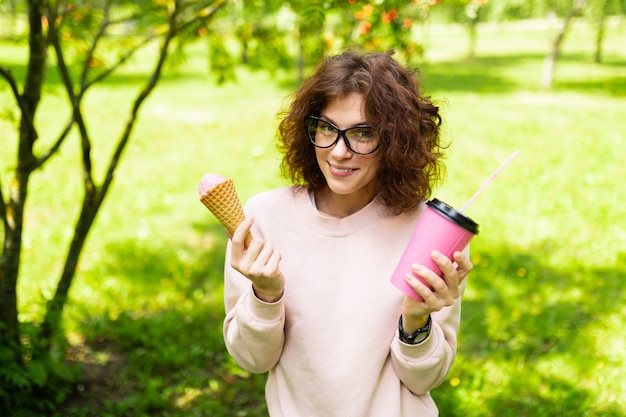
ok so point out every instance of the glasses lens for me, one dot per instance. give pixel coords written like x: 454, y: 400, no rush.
x: 362, y: 139
x: 322, y: 134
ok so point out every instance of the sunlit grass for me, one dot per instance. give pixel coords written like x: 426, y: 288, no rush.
x: 543, y: 312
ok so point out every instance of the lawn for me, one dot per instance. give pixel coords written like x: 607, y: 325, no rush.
x: 544, y: 309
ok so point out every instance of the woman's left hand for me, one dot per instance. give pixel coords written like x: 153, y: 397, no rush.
x: 445, y: 290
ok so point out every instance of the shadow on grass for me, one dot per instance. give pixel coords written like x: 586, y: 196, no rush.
x: 527, y: 345
x: 170, y: 361
x: 491, y: 74
x: 614, y: 86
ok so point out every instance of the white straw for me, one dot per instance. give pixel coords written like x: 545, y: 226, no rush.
x: 486, y: 183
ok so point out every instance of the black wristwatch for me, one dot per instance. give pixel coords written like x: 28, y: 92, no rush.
x: 416, y: 337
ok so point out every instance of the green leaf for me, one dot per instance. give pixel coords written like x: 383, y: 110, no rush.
x: 37, y: 372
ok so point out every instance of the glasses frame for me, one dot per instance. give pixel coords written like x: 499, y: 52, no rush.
x: 340, y: 133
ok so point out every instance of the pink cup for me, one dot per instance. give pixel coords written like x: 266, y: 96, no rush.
x: 441, y: 228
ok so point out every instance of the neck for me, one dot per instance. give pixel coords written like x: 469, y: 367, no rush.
x: 338, y: 205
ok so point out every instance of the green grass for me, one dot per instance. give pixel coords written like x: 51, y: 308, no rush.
x: 544, y: 310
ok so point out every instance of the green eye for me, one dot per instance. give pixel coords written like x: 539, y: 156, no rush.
x: 362, y: 134
x: 326, y: 128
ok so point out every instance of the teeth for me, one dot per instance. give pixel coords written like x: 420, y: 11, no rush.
x: 341, y: 170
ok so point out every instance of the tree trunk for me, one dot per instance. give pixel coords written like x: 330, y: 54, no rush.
x: 14, y: 215
x: 52, y: 319
x: 599, y: 41
x: 549, y: 63
x: 601, y: 23
x: 471, y: 52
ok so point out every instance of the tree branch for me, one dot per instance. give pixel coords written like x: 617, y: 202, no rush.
x: 73, y: 97
x: 101, y: 31
x: 6, y: 73
x: 3, y: 209
x: 57, y: 144
x: 24, y: 109
x: 85, y: 85
x: 205, y: 12
x: 119, y: 63
x: 130, y: 18
x: 156, y: 74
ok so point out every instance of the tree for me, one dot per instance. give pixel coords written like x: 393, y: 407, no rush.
x: 595, y: 10
x: 469, y: 13
x: 599, y: 11
x: 77, y: 34
x: 573, y: 9
x: 379, y: 26
x: 295, y: 34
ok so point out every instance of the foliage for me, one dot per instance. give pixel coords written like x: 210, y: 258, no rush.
x: 283, y: 35
x: 386, y: 26
x: 20, y: 384
x: 80, y: 37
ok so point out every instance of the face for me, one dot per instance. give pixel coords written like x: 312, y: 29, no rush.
x: 350, y: 176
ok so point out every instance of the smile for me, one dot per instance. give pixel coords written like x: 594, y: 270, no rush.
x: 341, y: 171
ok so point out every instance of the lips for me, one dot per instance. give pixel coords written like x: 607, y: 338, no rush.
x: 340, y: 171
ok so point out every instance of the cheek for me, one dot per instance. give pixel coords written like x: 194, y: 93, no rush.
x: 373, y: 164
x: 321, y: 155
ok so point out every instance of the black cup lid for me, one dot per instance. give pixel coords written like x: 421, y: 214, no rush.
x: 453, y: 215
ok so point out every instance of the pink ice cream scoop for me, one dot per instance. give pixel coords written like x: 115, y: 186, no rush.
x: 209, y: 181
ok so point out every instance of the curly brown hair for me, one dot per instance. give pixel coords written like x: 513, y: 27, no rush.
x: 407, y: 123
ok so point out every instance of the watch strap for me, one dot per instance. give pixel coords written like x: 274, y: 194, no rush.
x: 416, y: 337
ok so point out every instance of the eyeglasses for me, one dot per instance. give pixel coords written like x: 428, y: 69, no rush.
x: 361, y: 140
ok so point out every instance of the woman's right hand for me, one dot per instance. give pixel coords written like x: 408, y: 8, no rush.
x: 259, y: 262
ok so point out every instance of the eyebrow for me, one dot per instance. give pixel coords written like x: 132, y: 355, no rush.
x: 328, y: 119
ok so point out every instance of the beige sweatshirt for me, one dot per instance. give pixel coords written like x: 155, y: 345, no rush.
x: 331, y: 343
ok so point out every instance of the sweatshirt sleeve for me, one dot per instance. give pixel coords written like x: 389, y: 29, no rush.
x: 424, y: 366
x: 253, y: 329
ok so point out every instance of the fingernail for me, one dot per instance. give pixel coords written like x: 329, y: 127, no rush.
x: 436, y: 254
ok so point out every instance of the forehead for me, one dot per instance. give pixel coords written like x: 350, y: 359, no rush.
x: 345, y: 111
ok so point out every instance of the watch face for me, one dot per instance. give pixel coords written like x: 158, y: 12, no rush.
x: 419, y: 336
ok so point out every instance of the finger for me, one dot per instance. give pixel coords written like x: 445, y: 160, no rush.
x: 449, y: 270
x: 431, y: 278
x: 442, y: 261
x: 273, y: 263
x: 261, y: 259
x: 418, y: 286
x: 433, y: 282
x: 464, y: 264
x: 238, y: 249
x: 431, y: 299
x: 442, y: 288
x: 242, y: 231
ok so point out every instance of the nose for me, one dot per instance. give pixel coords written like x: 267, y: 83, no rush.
x: 341, y: 150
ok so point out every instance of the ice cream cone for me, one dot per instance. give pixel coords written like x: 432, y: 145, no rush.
x: 222, y: 200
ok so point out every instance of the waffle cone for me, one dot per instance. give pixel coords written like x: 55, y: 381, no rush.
x: 222, y: 200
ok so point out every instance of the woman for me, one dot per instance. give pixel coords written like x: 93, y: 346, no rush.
x: 310, y: 299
